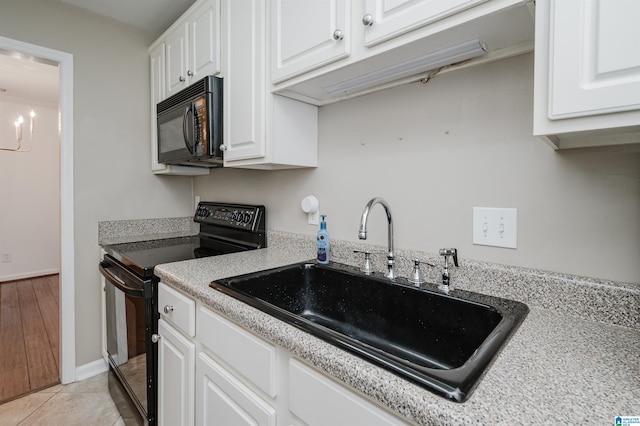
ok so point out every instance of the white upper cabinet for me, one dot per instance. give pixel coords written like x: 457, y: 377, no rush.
x: 193, y: 46
x: 261, y: 130
x: 186, y: 53
x: 306, y: 35
x: 176, y: 59
x: 204, y: 38
x: 157, y: 62
x: 587, y: 76
x: 317, y: 60
x: 244, y: 80
x: 386, y: 19
x: 595, y: 57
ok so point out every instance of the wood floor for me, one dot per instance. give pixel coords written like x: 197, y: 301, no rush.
x: 29, y: 335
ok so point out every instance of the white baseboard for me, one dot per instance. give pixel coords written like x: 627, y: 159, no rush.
x: 31, y: 274
x: 91, y: 369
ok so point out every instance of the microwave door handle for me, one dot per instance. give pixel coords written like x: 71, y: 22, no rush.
x: 185, y: 127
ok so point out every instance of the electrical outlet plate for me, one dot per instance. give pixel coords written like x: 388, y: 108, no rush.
x: 6, y: 257
x: 314, y: 218
x: 496, y: 227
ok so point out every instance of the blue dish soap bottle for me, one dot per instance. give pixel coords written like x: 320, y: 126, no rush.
x: 322, y: 244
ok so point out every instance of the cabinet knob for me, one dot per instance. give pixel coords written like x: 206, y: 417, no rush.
x: 155, y: 338
x: 367, y: 20
x: 338, y: 35
x: 182, y: 78
x: 190, y: 73
x: 168, y: 309
x: 223, y: 147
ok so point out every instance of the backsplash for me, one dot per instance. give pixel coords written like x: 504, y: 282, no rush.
x: 124, y: 231
x: 592, y: 299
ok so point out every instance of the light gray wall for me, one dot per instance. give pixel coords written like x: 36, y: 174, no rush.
x: 434, y: 152
x: 112, y: 175
x: 29, y: 179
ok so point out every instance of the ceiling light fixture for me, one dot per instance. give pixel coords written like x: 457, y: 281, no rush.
x: 436, y: 59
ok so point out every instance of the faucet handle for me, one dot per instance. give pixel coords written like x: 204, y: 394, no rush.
x: 416, y: 275
x: 367, y: 268
x: 453, y: 252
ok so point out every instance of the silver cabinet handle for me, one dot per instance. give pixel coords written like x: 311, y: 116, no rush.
x: 168, y: 309
x: 190, y: 73
x: 182, y: 78
x: 223, y: 147
x: 367, y: 20
x: 338, y: 35
x: 155, y: 338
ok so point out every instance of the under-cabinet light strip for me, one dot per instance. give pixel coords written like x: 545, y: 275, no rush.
x: 432, y: 60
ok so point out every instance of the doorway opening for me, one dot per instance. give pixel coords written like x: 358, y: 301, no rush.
x: 64, y: 121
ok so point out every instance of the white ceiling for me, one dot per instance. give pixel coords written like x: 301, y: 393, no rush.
x: 154, y: 16
x: 25, y: 78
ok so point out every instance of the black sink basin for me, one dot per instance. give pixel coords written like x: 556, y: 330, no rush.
x: 444, y: 342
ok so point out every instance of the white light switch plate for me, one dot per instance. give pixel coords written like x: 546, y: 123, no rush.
x: 495, y: 227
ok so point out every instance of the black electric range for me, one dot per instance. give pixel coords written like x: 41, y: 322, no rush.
x: 131, y: 293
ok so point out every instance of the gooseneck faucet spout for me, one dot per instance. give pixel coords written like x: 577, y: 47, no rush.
x: 362, y: 233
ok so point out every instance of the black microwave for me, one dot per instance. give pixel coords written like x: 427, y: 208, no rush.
x: 190, y: 125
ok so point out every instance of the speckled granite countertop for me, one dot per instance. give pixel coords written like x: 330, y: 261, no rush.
x: 574, y: 360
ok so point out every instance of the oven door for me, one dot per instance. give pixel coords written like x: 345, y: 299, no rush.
x: 130, y: 322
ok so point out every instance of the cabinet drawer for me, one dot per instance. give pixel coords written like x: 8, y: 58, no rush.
x: 248, y: 354
x: 177, y: 308
x: 307, y: 387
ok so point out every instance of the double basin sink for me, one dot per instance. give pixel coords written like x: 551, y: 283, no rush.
x: 441, y: 341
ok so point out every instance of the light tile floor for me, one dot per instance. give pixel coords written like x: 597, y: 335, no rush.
x: 81, y: 403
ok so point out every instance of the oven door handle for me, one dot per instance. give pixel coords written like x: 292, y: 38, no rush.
x: 118, y: 283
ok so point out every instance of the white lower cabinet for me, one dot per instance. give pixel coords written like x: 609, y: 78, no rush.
x: 226, y: 376
x: 221, y: 399
x: 311, y: 393
x: 249, y: 355
x: 176, y: 376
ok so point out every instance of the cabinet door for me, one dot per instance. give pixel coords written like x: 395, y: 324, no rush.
x: 307, y: 35
x: 204, y: 41
x: 396, y: 17
x: 176, y: 376
x: 594, y: 65
x: 244, y: 79
x: 176, y: 59
x: 223, y: 400
x: 157, y: 77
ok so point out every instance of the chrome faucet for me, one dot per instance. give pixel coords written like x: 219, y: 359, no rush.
x: 362, y: 233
